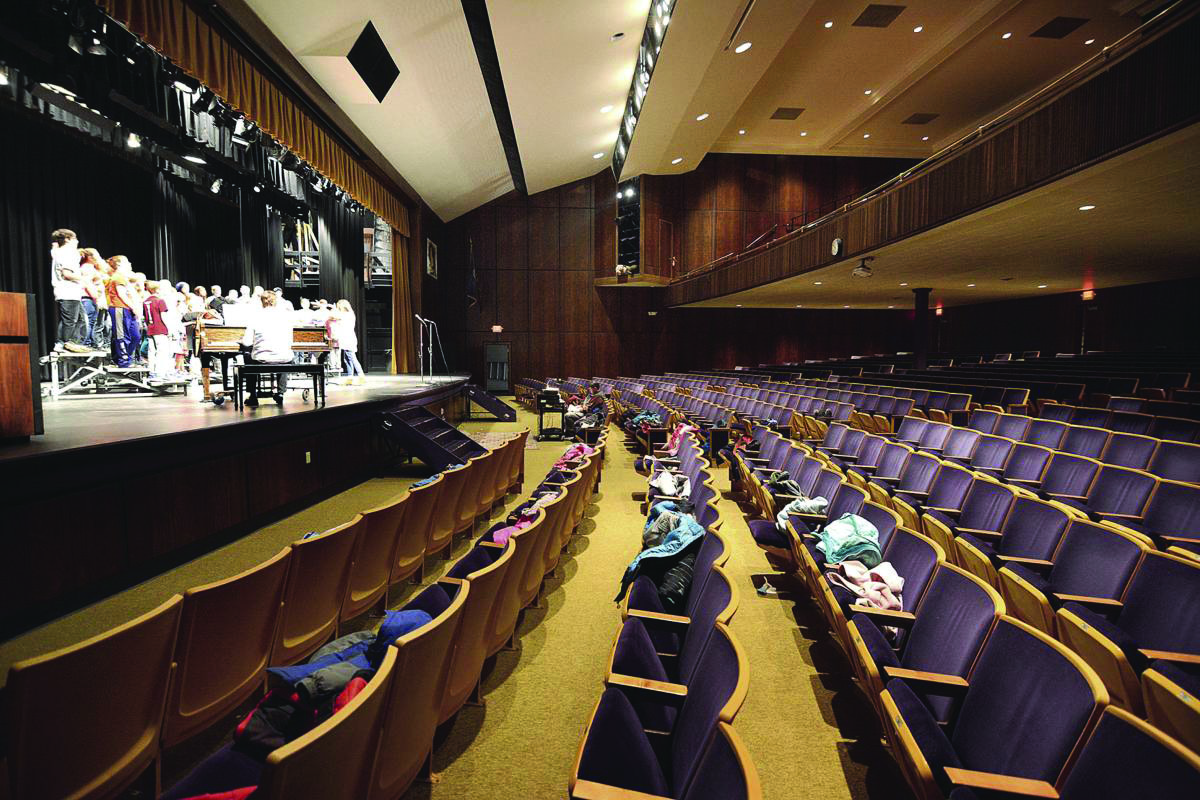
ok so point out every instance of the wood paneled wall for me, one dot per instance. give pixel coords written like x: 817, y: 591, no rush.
x: 731, y: 199
x: 1147, y: 316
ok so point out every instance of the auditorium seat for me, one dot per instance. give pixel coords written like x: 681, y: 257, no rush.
x: 1129, y: 450
x: 1030, y: 536
x: 726, y: 771
x: 944, y: 635
x: 333, y: 760
x: 516, y: 466
x: 1117, y: 494
x: 617, y: 752
x: 1058, y: 412
x: 1028, y: 703
x: 59, y: 743
x: 1175, y: 429
x: 1130, y: 422
x: 528, y: 545
x: 983, y: 512
x: 417, y: 524
x: 1091, y: 561
x: 1157, y: 617
x: 314, y: 592
x: 414, y: 705
x: 1084, y: 441
x: 1171, y: 517
x: 638, y: 654
x: 948, y: 490
x: 1046, y: 432
x: 1027, y: 465
x: 983, y: 420
x: 643, y: 592
x: 1013, y: 426
x: 384, y: 542
x: 960, y: 445
x: 475, y: 497
x: 226, y: 635
x: 1176, y: 461
x: 1066, y: 475
x: 1171, y: 693
x: 486, y: 570
x: 445, y: 518
x: 992, y: 454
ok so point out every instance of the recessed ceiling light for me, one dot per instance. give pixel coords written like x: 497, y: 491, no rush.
x: 845, y: 306
x: 676, y: 160
x: 702, y: 117
x: 741, y: 131
x: 616, y: 37
x: 918, y: 29
x: 904, y: 284
x: 629, y: 192
x: 816, y: 283
x: 597, y: 155
x: 739, y: 305
x: 866, y: 136
x: 1042, y: 285
x: 1007, y: 35
x: 799, y: 306
x: 970, y: 286
x: 829, y: 24
x: 605, y: 109
x: 924, y: 138
x: 868, y: 91
x: 891, y: 306
x: 741, y: 48
x: 804, y: 133
x: 1090, y: 41
x: 1086, y: 208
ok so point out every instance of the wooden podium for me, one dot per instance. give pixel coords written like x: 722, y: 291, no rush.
x: 20, y: 387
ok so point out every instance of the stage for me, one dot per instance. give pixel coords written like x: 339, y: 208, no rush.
x: 122, y: 487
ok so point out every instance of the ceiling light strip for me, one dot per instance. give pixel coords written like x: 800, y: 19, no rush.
x: 741, y: 22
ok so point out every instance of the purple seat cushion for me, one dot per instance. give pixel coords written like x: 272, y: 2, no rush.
x: 617, y: 751
x: 1120, y: 761
x: 643, y: 595
x: 928, y: 735
x: 432, y: 601
x: 1186, y: 675
x: 635, y: 655
x: 477, y: 559
x: 766, y: 534
x: 876, y: 643
x: 223, y: 771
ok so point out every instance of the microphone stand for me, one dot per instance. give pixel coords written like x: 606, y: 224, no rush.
x: 421, y: 349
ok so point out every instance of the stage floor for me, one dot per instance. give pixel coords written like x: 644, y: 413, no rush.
x: 74, y: 421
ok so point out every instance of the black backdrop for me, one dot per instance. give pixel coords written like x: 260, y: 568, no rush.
x: 53, y: 177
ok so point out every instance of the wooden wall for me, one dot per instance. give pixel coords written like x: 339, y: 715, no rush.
x: 536, y: 257
x: 731, y: 199
x: 1142, y: 317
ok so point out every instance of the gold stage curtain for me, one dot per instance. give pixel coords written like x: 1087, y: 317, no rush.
x: 178, y: 32
x: 402, y: 313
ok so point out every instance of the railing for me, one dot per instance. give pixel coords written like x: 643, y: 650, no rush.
x: 1053, y: 89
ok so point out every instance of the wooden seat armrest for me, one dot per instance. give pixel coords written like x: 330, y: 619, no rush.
x: 805, y: 516
x: 1186, y: 539
x: 1114, y: 516
x: 589, y: 790
x: 844, y: 457
x: 1075, y: 497
x: 991, y: 781
x: 496, y: 545
x: 868, y: 467
x: 950, y: 512
x: 658, y: 688
x: 1029, y: 562
x: 446, y: 580
x: 913, y: 492
x: 1088, y: 600
x: 1167, y: 655
x: 788, y: 497
x: 757, y: 460
x: 935, y: 681
x: 657, y: 616
x: 882, y: 616
x: 980, y: 533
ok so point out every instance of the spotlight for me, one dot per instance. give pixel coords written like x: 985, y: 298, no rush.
x: 257, y: 188
x: 206, y: 101
x: 97, y: 48
x: 195, y: 159
x: 3, y: 75
x: 629, y: 192
x: 215, y: 188
x: 133, y: 141
x: 75, y: 43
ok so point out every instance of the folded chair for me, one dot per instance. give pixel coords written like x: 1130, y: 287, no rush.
x: 1026, y: 706
x: 449, y: 510
x: 414, y: 705
x: 485, y: 569
x: 1171, y: 693
x: 314, y: 593
x: 85, y: 721
x: 226, y: 635
x: 417, y: 531
x: 384, y: 542
x: 1158, y: 617
x: 617, y: 751
x: 529, y: 546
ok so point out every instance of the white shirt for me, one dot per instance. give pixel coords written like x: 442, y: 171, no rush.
x: 269, y: 336
x: 65, y: 288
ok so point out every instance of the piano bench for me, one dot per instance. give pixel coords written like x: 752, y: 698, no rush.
x: 315, y: 371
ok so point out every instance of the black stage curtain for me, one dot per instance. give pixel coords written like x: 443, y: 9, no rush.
x: 340, y: 242
x: 52, y: 177
x: 196, y: 238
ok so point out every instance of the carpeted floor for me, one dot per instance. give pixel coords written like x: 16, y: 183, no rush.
x: 808, y: 731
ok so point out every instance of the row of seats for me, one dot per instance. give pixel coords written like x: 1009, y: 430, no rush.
x: 674, y: 683
x: 970, y: 697
x: 1124, y: 420
x: 1041, y: 554
x: 178, y: 669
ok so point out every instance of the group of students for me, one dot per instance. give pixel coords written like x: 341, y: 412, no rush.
x: 103, y: 304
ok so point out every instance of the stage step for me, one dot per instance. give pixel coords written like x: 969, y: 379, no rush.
x: 428, y: 437
x: 498, y: 408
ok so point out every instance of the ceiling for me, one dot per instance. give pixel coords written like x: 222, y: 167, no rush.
x: 1143, y: 228
x: 958, y: 67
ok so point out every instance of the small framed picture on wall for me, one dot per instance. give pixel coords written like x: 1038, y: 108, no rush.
x: 431, y: 265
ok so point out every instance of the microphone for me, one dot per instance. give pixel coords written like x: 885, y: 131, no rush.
x: 418, y: 316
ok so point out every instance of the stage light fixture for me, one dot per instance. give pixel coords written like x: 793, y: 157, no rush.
x: 3, y: 75
x: 133, y: 141
x: 195, y: 159
x: 75, y: 43
x: 257, y: 188
x: 215, y: 188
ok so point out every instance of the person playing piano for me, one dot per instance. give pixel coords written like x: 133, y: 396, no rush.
x: 269, y: 339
